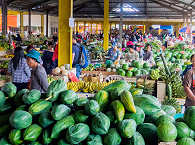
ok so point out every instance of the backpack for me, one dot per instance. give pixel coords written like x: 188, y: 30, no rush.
x: 83, y: 61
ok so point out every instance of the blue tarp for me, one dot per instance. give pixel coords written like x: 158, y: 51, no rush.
x: 183, y: 29
x: 165, y: 27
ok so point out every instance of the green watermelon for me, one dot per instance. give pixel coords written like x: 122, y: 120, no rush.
x: 129, y: 74
x: 167, y: 132
x: 2, y: 98
x: 125, y: 67
x: 186, y: 141
x: 183, y: 130
x: 189, y: 117
x: 149, y: 133
x: 165, y: 118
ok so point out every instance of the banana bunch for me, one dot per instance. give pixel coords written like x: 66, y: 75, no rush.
x: 172, y: 102
x: 75, y: 86
x: 87, y: 87
x: 50, y: 79
x: 155, y: 74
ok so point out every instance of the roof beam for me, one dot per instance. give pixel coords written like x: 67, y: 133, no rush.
x: 38, y: 3
x: 167, y: 6
x: 10, y: 1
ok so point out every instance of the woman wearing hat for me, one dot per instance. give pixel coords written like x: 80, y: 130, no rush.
x: 132, y: 54
x: 38, y: 76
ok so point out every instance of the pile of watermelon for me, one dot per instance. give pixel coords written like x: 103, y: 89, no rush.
x: 135, y: 68
x: 118, y: 114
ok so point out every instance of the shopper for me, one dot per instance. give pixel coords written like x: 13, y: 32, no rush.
x: 114, y: 53
x: 79, y: 57
x: 48, y: 63
x: 19, y: 69
x: 189, y: 84
x: 132, y: 54
x: 39, y: 76
x: 148, y: 55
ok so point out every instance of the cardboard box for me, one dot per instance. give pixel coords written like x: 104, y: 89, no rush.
x: 161, y: 90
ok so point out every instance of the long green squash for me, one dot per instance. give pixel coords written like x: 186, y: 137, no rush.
x: 62, y: 125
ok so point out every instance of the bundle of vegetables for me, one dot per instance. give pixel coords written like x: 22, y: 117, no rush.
x: 113, y: 117
x: 173, y: 79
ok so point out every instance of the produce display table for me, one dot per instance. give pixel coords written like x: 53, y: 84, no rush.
x: 5, y: 59
x: 104, y: 73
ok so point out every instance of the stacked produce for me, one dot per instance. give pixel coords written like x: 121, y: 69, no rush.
x: 113, y: 117
x: 87, y: 87
x: 4, y: 64
x: 135, y: 68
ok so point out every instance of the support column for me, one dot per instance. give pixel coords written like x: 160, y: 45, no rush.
x: 91, y: 28
x: 47, y: 23
x: 96, y: 28
x: 191, y: 27
x: 22, y: 24
x: 65, y: 32
x: 42, y: 25
x: 29, y: 20
x: 177, y: 30
x: 121, y: 24
x: 4, y: 17
x: 78, y: 27
x: 84, y: 27
x: 106, y: 24
x: 144, y: 28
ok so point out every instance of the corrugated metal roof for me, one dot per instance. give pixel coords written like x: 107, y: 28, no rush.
x: 94, y: 8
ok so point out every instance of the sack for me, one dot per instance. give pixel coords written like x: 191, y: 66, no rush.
x: 83, y: 57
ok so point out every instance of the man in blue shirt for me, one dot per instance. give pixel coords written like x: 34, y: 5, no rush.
x: 75, y: 52
x: 114, y: 53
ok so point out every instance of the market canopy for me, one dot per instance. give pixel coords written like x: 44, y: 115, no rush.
x: 167, y: 9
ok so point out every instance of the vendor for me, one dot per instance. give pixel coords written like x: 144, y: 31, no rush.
x: 132, y: 54
x: 148, y: 55
x: 48, y: 63
x: 39, y: 76
x: 19, y: 70
x: 114, y: 53
x: 189, y: 84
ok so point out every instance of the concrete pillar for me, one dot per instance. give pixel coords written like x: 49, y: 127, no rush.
x: 106, y: 24
x: 4, y: 17
x: 29, y: 20
x: 121, y: 24
x: 42, y: 25
x: 65, y: 32
x: 22, y: 24
x: 47, y: 23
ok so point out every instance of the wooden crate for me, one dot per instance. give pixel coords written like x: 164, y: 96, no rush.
x: 161, y: 90
x: 167, y: 143
x: 131, y: 80
x: 104, y: 73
